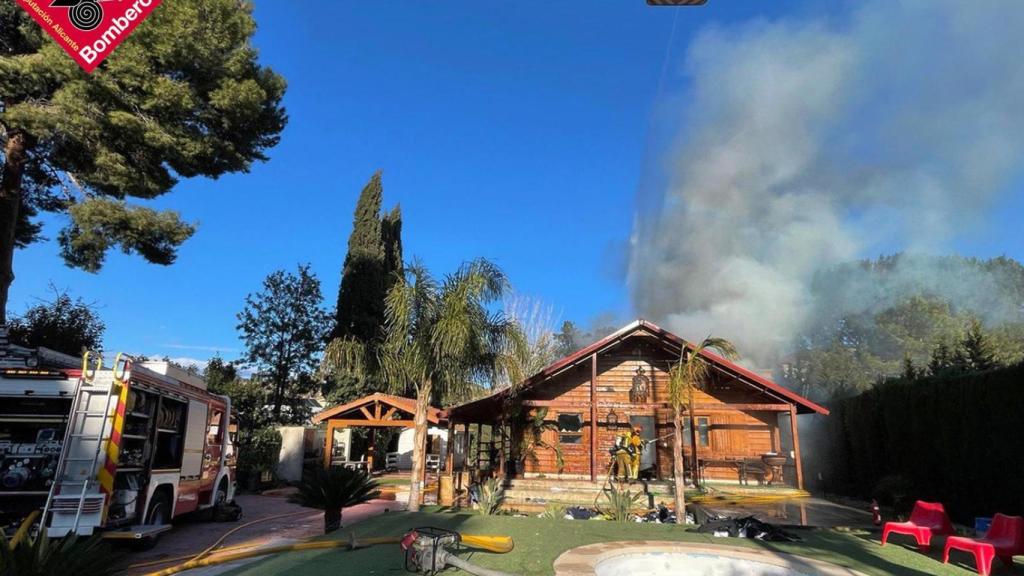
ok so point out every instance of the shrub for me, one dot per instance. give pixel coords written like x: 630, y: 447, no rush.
x: 492, y: 494
x: 258, y: 452
x: 951, y: 439
x: 67, y: 556
x: 334, y: 489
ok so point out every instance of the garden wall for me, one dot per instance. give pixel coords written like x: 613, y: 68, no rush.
x: 957, y: 440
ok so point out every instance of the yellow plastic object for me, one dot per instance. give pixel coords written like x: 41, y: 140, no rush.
x: 23, y: 529
x: 347, y: 544
x: 497, y: 544
x: 209, y: 550
x: 92, y: 362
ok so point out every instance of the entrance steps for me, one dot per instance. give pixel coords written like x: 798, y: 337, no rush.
x: 528, y: 494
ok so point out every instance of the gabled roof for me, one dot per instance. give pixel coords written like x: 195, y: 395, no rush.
x: 407, y: 405
x: 803, y: 405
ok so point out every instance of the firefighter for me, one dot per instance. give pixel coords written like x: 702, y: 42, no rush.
x: 623, y: 453
x: 636, y: 442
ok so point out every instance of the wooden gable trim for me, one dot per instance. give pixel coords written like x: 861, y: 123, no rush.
x: 666, y: 338
x: 379, y: 401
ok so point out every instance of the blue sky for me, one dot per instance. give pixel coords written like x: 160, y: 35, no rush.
x: 517, y: 131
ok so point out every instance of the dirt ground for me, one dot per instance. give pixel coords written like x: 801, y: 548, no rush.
x: 192, y: 535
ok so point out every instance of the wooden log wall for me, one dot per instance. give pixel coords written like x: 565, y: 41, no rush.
x: 733, y: 433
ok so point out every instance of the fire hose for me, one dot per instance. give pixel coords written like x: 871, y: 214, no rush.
x: 498, y: 544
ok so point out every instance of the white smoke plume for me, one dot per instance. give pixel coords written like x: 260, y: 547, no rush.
x: 804, y: 143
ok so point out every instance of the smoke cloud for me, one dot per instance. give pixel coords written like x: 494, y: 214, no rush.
x: 806, y: 143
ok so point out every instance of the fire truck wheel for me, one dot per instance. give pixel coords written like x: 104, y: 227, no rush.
x: 157, y: 514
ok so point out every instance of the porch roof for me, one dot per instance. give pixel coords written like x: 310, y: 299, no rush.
x: 368, y: 408
x: 489, y: 404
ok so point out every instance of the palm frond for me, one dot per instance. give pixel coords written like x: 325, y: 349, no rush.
x: 693, y: 369
x: 343, y: 357
x: 334, y: 489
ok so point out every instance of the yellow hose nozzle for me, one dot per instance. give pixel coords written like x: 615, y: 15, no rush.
x: 496, y: 544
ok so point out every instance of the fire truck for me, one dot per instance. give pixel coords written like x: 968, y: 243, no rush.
x: 37, y: 386
x: 145, y: 442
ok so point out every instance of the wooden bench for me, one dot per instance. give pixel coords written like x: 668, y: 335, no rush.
x: 744, y: 466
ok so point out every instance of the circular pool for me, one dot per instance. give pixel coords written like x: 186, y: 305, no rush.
x: 649, y: 558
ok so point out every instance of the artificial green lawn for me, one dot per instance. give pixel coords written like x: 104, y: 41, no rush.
x: 539, y: 541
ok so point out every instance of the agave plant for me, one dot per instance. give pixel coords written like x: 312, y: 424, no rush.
x: 553, y: 512
x: 67, y: 556
x: 492, y: 494
x: 334, y: 489
x: 620, y: 504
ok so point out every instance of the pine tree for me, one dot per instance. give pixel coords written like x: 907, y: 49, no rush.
x: 183, y: 96
x: 360, y: 309
x: 910, y: 371
x: 977, y: 350
x: 942, y: 359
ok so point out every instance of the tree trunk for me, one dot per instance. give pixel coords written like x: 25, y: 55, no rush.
x: 332, y: 520
x: 678, y: 473
x: 10, y: 206
x: 419, y: 446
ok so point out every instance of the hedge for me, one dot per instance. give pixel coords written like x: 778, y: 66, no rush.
x: 258, y: 452
x: 957, y: 440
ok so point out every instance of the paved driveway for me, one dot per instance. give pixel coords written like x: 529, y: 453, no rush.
x: 191, y: 536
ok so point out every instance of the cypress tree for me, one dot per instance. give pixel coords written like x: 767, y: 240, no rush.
x: 372, y: 265
x: 360, y: 309
x: 391, y: 237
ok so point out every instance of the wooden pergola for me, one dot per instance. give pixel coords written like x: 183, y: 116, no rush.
x: 374, y: 411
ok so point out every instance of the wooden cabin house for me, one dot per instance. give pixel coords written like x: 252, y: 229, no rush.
x: 740, y: 418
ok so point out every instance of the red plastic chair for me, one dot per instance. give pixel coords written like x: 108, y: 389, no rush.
x: 928, y: 519
x: 1005, y: 538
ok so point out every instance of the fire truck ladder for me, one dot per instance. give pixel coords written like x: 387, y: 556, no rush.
x: 83, y: 452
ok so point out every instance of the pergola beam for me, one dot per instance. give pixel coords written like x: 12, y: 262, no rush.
x: 373, y: 423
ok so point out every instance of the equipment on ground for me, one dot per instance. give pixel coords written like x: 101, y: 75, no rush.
x: 145, y: 443
x: 746, y: 527
x: 427, y: 552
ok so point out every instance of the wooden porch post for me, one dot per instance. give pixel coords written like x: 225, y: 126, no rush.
x: 372, y: 451
x: 465, y: 447
x: 328, y: 444
x: 479, y: 436
x: 593, y: 417
x: 449, y: 456
x: 695, y: 466
x: 501, y: 449
x: 795, y: 432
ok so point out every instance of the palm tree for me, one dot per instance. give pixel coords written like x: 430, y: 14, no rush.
x: 334, y: 489
x: 691, y: 371
x: 438, y: 339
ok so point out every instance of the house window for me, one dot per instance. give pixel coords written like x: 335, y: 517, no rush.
x: 570, y: 428
x: 703, y: 432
